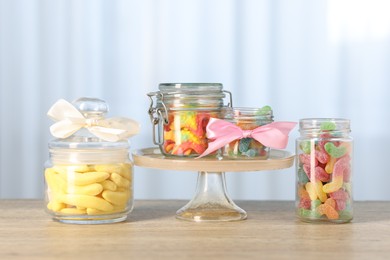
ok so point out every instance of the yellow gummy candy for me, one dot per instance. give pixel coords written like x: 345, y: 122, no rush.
x: 110, y: 168
x: 86, y: 201
x: 55, y: 206
x: 319, y: 189
x: 333, y: 186
x: 90, y: 189
x: 329, y: 166
x: 117, y: 198
x: 119, y: 180
x: 91, y: 211
x: 315, y: 191
x: 126, y: 171
x: 71, y: 168
x: 311, y: 190
x: 109, y: 185
x: 85, y: 178
x: 54, y: 181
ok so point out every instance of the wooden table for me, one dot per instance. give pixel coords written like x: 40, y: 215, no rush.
x: 152, y: 232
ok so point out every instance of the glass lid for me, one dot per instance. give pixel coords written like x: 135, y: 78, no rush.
x: 82, y: 125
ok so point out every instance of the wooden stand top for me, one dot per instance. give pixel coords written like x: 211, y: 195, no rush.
x: 152, y: 158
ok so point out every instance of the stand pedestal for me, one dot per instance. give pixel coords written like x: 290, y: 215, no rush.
x: 211, y: 201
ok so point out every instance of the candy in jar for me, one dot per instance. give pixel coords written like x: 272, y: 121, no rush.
x: 324, y: 170
x: 247, y: 119
x: 181, y: 113
x: 89, y: 176
x: 246, y: 133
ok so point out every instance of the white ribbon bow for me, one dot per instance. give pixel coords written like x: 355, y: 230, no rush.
x: 69, y: 120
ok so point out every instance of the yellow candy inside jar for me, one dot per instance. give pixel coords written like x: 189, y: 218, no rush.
x: 92, y: 189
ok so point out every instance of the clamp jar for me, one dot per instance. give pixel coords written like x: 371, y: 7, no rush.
x: 181, y: 114
x: 324, y: 170
x: 89, y: 180
x: 247, y: 119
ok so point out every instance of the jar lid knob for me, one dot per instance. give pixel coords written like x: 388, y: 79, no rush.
x: 91, y: 107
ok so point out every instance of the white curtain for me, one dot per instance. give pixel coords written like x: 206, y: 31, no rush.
x: 303, y: 58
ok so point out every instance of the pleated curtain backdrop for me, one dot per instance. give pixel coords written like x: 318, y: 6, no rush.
x: 303, y: 58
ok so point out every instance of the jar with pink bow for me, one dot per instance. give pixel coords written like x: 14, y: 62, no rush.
x: 246, y: 133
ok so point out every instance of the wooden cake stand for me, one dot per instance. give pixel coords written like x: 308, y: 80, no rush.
x: 211, y: 201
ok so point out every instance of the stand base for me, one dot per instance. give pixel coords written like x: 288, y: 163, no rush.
x: 211, y: 202
x: 210, y: 212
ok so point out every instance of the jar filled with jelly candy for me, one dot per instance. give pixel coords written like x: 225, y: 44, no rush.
x: 180, y: 115
x: 324, y: 170
x: 247, y: 119
x: 89, y: 176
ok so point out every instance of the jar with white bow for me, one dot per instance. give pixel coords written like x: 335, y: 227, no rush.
x: 89, y: 176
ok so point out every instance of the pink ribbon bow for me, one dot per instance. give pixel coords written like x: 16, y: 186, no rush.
x: 221, y: 132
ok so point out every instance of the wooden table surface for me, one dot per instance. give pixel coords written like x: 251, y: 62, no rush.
x: 152, y: 232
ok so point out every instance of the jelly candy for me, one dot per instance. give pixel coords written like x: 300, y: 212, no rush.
x: 328, y: 126
x: 328, y: 209
x: 302, y: 176
x: 244, y: 144
x: 335, y: 151
x: 263, y: 111
x: 305, y: 203
x: 306, y: 147
x: 315, y: 191
x: 320, y: 174
x: 307, y: 170
x: 322, y: 156
x: 306, y: 159
x: 340, y: 166
x: 302, y: 193
x: 341, y: 197
x: 315, y: 204
x: 329, y: 166
x: 309, y: 212
x: 251, y: 153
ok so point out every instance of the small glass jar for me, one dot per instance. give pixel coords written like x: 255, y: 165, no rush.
x: 181, y: 114
x: 247, y: 119
x: 324, y: 170
x: 89, y: 180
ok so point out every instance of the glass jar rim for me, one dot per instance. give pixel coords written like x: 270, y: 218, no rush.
x: 91, y: 144
x: 167, y: 88
x: 247, y: 112
x: 88, y: 156
x: 324, y: 124
x: 206, y: 96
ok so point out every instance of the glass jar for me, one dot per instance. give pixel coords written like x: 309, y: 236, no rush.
x: 247, y: 119
x: 181, y: 114
x: 324, y: 170
x: 89, y: 180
